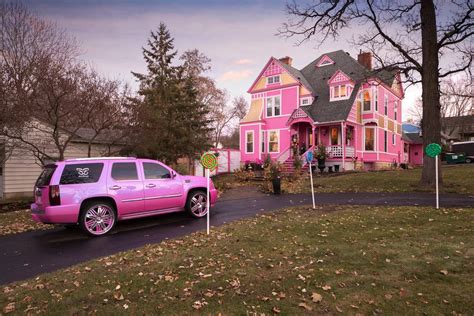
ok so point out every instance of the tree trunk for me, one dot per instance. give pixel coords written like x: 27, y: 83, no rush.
x: 431, y: 125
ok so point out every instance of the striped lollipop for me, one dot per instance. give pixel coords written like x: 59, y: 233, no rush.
x: 209, y: 161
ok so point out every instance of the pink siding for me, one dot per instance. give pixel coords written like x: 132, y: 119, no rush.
x: 416, y: 154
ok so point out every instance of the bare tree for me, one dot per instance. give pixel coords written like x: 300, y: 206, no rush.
x: 225, y: 114
x: 409, y: 36
x: 457, y: 99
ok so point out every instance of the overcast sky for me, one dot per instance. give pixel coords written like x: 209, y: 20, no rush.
x: 238, y: 36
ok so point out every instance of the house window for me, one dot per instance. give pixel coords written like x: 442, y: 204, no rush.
x: 249, y: 142
x: 273, y: 106
x: 394, y: 139
x: 366, y: 101
x: 395, y: 113
x: 385, y: 140
x: 376, y: 98
x: 334, y: 136
x: 262, y: 138
x: 385, y: 105
x: 304, y: 101
x: 273, y: 141
x: 273, y: 79
x: 340, y: 92
x: 369, y: 135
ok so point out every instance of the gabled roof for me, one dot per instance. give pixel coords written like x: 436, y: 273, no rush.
x: 323, y: 110
x: 412, y: 138
x: 295, y: 73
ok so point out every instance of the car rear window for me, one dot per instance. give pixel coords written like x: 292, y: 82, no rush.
x: 81, y: 173
x: 45, y: 177
x: 124, y: 171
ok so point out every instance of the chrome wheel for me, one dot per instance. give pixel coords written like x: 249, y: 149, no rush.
x: 198, y: 205
x: 99, y: 219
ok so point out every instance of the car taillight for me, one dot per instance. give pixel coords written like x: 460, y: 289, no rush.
x: 54, y: 196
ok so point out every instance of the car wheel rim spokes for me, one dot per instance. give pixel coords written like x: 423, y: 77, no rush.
x: 99, y: 220
x: 198, y: 204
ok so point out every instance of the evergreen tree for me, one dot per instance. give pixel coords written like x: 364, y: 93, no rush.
x: 171, y: 121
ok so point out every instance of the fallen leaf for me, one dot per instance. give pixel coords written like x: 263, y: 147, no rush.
x: 117, y: 287
x: 125, y: 306
x: 444, y: 272
x: 316, y: 297
x: 305, y: 306
x: 9, y: 308
x: 76, y: 283
x: 276, y: 310
x: 118, y: 296
x: 339, y: 309
x: 326, y: 287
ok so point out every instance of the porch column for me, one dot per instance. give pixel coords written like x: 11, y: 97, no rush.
x: 314, y: 135
x: 343, y: 132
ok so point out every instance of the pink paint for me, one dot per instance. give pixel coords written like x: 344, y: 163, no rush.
x: 290, y: 122
x: 127, y: 187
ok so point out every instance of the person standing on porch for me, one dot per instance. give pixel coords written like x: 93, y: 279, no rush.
x: 294, y: 145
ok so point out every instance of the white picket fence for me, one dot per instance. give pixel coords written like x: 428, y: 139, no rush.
x: 228, y: 161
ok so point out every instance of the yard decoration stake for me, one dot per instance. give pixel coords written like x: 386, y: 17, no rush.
x: 309, y: 158
x: 433, y: 150
x: 208, y: 162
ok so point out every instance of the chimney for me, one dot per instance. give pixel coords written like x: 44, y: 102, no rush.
x: 365, y: 59
x: 286, y: 60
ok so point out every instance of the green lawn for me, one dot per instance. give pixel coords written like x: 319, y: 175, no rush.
x: 457, y: 179
x: 347, y: 260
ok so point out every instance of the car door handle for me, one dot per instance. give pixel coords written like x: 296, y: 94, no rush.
x: 150, y: 185
x: 115, y: 187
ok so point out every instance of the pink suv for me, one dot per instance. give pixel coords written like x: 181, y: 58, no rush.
x: 97, y: 192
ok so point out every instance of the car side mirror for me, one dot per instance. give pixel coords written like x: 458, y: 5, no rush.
x: 173, y: 174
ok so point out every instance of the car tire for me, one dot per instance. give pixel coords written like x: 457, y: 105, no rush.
x: 196, y: 203
x: 468, y: 160
x: 97, y: 218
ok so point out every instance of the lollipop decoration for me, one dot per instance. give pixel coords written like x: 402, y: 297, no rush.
x: 433, y: 150
x: 208, y: 162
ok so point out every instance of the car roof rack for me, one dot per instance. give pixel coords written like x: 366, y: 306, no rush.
x: 101, y: 158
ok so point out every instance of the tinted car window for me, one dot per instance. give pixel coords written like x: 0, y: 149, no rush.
x: 81, y: 173
x: 124, y: 171
x: 155, y: 171
x: 45, y: 176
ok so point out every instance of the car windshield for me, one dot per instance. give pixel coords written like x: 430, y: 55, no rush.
x: 45, y: 176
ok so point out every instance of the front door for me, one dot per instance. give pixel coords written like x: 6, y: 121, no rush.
x: 163, y: 190
x: 125, y: 185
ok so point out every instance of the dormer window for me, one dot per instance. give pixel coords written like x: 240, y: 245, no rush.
x: 273, y: 79
x: 341, y: 92
x: 305, y: 101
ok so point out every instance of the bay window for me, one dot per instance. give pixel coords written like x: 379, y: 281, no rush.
x: 366, y: 96
x: 369, y: 136
x: 249, y: 142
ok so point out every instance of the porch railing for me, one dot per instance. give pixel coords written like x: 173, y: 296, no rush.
x: 284, y: 155
x: 336, y: 151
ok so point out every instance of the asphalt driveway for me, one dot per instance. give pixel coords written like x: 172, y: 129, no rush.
x: 29, y: 254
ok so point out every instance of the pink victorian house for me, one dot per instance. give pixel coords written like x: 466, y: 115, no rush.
x: 336, y: 100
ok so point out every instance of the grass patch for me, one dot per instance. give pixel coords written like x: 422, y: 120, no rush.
x: 457, y: 179
x: 19, y: 222
x: 227, y: 181
x: 402, y: 260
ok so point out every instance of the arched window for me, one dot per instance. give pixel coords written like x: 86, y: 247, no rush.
x: 366, y: 96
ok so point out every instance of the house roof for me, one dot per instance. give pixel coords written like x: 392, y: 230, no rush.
x: 84, y: 135
x: 454, y: 121
x: 410, y: 128
x: 412, y: 138
x: 298, y: 75
x: 322, y: 110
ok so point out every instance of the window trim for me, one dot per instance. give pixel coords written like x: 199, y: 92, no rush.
x: 262, y: 141
x: 305, y: 99
x: 374, y: 128
x: 394, y: 139
x: 246, y: 142
x: 385, y: 104
x: 273, y: 77
x: 269, y: 132
x: 348, y: 89
x: 375, y: 95
x: 395, y: 111
x: 363, y: 101
x: 385, y: 141
x: 273, y: 106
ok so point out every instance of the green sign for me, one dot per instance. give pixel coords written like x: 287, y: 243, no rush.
x: 433, y: 150
x: 209, y: 161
